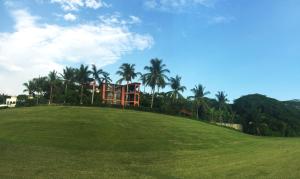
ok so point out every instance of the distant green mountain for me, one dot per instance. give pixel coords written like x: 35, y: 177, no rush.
x: 261, y: 115
x: 293, y: 103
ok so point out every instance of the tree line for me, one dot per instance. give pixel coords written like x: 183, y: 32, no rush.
x: 71, y: 87
x: 80, y: 86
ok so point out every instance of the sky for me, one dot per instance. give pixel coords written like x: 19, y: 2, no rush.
x: 240, y: 47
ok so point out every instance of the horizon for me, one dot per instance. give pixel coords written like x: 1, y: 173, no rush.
x: 237, y: 47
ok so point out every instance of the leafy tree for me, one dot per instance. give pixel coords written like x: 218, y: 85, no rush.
x: 83, y: 78
x: 156, y: 75
x: 3, y: 98
x: 127, y: 73
x: 198, y: 97
x: 176, y: 87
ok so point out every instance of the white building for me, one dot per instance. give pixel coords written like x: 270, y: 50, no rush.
x: 11, y: 102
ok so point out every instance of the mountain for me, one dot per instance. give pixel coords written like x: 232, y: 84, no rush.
x: 261, y: 115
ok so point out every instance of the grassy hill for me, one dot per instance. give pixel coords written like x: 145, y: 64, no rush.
x: 73, y: 142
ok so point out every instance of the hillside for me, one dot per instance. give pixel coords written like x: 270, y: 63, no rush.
x: 262, y: 115
x: 73, y: 142
x: 293, y: 103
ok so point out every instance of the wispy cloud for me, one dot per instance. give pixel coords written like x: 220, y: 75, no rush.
x: 178, y: 5
x: 116, y: 19
x: 74, y: 5
x: 35, y: 48
x: 221, y: 20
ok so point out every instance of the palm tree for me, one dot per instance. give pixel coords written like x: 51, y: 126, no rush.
x: 199, y: 94
x: 161, y: 84
x: 127, y: 73
x: 52, y: 79
x: 222, y: 99
x: 105, y: 78
x: 83, y: 77
x: 39, y: 86
x: 144, y: 81
x: 29, y: 87
x: 156, y: 75
x: 96, y: 77
x: 176, y: 88
x: 68, y: 77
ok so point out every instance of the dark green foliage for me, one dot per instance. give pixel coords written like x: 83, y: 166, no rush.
x: 3, y: 98
x: 261, y: 115
x: 24, y: 101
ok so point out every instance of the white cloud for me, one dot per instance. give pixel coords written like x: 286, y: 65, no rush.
x: 135, y: 20
x: 170, y: 5
x: 221, y: 20
x: 74, y: 5
x: 70, y: 17
x: 34, y: 48
x: 94, y: 4
x: 116, y: 19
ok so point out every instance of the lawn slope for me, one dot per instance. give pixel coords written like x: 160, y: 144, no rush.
x: 74, y: 142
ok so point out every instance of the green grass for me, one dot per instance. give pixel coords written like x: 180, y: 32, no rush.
x: 73, y: 142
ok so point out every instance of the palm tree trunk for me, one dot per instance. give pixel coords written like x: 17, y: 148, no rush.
x: 37, y: 98
x: 153, y: 92
x: 81, y: 94
x: 66, y: 92
x: 127, y: 94
x: 51, y: 90
x: 93, y: 94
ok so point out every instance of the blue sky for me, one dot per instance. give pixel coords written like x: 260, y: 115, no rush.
x: 239, y: 47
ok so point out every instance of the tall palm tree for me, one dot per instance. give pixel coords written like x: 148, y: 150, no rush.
x: 29, y: 87
x: 83, y: 78
x: 68, y: 76
x: 176, y: 87
x: 39, y: 86
x: 105, y: 78
x: 144, y: 81
x: 127, y: 73
x: 96, y: 77
x: 52, y: 79
x: 199, y: 94
x: 222, y: 99
x: 156, y: 75
x: 161, y: 84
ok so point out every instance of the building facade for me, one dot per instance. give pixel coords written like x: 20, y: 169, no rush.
x: 11, y: 102
x: 124, y: 95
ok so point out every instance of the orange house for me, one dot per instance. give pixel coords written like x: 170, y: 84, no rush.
x: 120, y: 95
